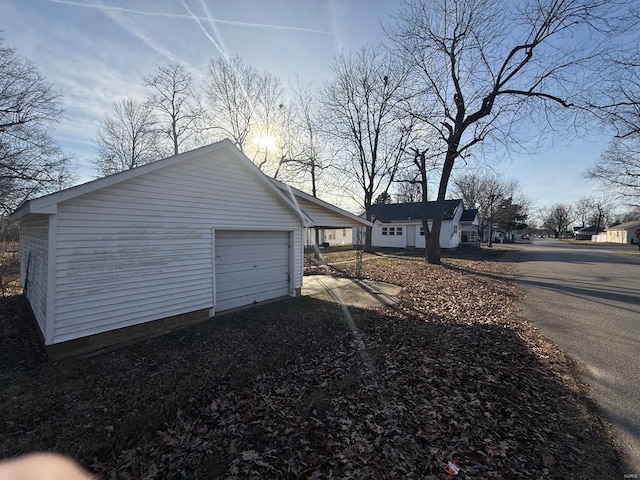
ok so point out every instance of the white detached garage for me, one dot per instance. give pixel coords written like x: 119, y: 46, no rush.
x: 178, y: 239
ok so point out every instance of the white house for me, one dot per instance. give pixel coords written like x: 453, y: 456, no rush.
x: 336, y: 237
x: 399, y: 225
x: 185, y: 237
x: 624, y: 233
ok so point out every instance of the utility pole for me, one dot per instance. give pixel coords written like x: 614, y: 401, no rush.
x: 492, y: 197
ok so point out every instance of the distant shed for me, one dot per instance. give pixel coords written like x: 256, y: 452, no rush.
x: 624, y: 233
x: 179, y: 239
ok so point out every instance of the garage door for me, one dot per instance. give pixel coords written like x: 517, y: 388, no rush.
x: 250, y: 267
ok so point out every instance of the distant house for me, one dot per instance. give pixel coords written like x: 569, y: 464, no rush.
x: 336, y: 237
x: 399, y: 225
x: 170, y: 242
x: 624, y: 233
x: 587, y: 232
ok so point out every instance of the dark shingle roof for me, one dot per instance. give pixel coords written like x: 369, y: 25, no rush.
x: 469, y: 215
x: 394, y: 212
x: 590, y: 229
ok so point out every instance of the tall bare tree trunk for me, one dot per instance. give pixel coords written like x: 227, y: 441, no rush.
x: 434, y: 250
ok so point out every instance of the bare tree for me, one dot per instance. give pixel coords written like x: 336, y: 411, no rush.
x: 175, y: 103
x: 127, y: 138
x: 413, y: 179
x: 557, y: 218
x: 602, y: 211
x: 616, y: 97
x: 630, y: 215
x: 619, y: 98
x: 245, y: 106
x: 488, y: 64
x: 618, y: 170
x: 408, y: 189
x: 364, y: 107
x: 272, y: 123
x: 295, y: 156
x: 31, y: 162
x: 301, y: 146
x: 231, y: 91
x: 582, y: 209
x: 487, y: 191
x: 311, y: 160
x: 423, y: 163
x: 283, y: 133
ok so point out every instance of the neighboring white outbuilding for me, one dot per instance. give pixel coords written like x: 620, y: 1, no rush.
x: 624, y: 233
x: 197, y: 233
x: 469, y: 227
x: 336, y: 237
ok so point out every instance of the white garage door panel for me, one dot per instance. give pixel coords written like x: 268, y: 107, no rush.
x: 251, y: 267
x: 252, y: 289
x: 264, y: 247
x: 249, y: 238
x: 262, y: 263
x: 257, y: 254
x: 238, y: 280
x: 248, y: 299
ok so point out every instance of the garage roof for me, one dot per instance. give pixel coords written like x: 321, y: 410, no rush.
x: 311, y: 211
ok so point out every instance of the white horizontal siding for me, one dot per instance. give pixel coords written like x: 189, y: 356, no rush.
x: 297, y: 254
x: 392, y: 241
x: 447, y: 240
x: 335, y: 237
x: 141, y: 250
x: 445, y: 235
x: 34, y: 246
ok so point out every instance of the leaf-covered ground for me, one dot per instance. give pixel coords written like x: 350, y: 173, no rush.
x: 308, y: 389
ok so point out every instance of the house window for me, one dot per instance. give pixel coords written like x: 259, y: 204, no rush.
x: 392, y: 231
x: 455, y: 229
x: 344, y: 232
x: 422, y: 231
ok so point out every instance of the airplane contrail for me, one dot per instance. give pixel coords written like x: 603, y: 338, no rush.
x: 204, y: 30
x: 190, y: 17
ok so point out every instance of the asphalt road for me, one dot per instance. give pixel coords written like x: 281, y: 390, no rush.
x: 587, y: 300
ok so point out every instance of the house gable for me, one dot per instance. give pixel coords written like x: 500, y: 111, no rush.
x: 470, y: 216
x: 48, y: 203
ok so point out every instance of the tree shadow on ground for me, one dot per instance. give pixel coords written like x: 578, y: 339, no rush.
x: 574, y: 287
x: 299, y: 388
x: 571, y: 253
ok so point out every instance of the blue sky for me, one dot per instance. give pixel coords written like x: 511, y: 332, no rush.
x: 97, y: 52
